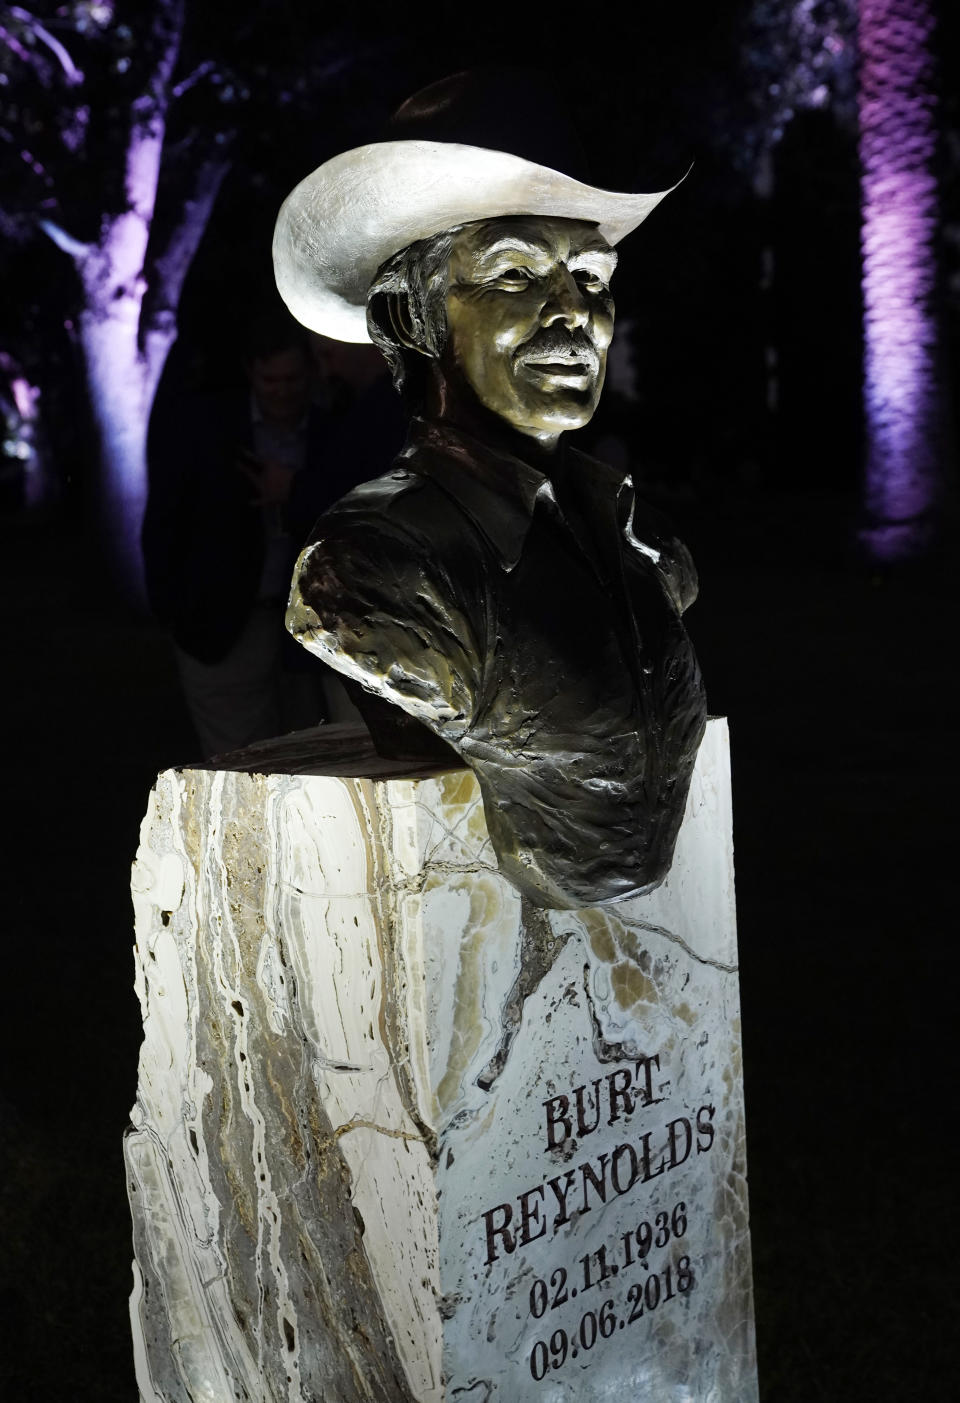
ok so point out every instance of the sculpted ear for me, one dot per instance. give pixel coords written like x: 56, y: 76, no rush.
x: 405, y: 326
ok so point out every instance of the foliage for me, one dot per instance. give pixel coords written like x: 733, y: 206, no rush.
x: 75, y: 78
x: 796, y: 55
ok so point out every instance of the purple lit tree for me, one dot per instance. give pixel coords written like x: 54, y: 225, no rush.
x: 899, y: 198
x: 799, y: 54
x: 130, y: 284
x: 123, y: 118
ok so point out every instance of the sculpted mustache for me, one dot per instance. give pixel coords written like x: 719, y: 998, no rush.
x: 554, y: 342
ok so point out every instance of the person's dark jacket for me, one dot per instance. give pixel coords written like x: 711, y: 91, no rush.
x: 203, y: 536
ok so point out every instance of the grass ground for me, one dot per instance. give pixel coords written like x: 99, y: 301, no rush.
x: 840, y: 689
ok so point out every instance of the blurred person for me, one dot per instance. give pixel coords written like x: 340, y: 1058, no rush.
x: 233, y: 476
x: 366, y: 426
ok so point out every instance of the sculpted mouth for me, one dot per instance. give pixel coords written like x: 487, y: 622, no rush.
x: 572, y: 365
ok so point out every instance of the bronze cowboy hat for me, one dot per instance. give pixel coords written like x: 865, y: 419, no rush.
x: 446, y: 163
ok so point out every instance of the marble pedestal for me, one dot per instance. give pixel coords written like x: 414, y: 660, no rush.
x: 399, y: 1136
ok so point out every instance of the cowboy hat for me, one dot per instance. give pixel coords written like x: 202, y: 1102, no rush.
x: 442, y: 167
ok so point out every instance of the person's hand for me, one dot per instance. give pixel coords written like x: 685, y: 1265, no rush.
x: 271, y: 478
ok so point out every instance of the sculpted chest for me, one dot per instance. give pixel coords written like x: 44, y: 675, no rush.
x: 580, y: 656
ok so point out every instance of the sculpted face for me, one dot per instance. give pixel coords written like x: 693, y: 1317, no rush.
x: 530, y: 318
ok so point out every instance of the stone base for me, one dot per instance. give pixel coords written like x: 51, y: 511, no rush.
x: 399, y: 1136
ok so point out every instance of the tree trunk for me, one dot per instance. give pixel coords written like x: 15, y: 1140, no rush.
x: 127, y: 328
x: 897, y: 111
x: 119, y: 390
x: 124, y: 357
x: 121, y: 385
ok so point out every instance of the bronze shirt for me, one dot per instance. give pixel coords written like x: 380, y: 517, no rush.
x: 533, y: 624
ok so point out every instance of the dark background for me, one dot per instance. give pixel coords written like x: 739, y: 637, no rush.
x: 838, y: 679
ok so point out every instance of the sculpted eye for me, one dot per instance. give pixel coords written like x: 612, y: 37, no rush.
x: 589, y: 280
x: 515, y: 277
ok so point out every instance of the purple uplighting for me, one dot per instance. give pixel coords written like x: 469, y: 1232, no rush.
x: 131, y: 281
x: 25, y: 397
x: 899, y: 222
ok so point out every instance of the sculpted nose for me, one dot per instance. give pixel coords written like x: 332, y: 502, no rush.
x: 566, y: 301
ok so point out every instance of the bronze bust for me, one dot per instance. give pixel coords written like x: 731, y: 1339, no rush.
x: 503, y: 590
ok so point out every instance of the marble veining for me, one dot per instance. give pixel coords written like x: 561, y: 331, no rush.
x: 394, y: 1130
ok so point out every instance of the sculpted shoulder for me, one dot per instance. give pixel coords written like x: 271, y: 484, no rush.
x: 396, y: 491
x: 402, y: 504
x: 385, y: 594
x: 365, y: 541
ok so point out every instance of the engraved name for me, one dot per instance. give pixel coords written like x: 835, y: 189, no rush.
x: 540, y: 1211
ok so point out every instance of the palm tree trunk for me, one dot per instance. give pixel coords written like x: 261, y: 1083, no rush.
x: 897, y: 109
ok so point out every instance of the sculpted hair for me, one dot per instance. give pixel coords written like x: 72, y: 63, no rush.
x: 407, y: 312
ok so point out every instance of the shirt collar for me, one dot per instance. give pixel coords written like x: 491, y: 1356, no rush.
x: 499, y: 491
